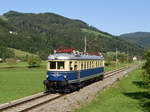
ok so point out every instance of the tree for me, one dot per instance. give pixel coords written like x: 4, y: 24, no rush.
x: 146, y: 68
x: 6, y: 53
x: 34, y: 61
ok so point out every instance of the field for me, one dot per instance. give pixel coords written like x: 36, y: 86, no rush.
x: 19, y: 65
x: 20, y: 81
x: 127, y: 95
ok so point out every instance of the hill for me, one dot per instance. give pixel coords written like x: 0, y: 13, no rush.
x: 140, y: 38
x: 42, y: 33
x: 20, y: 54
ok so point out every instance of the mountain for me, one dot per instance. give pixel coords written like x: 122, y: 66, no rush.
x: 42, y: 33
x: 140, y: 38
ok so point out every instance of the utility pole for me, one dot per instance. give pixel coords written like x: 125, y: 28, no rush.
x: 127, y: 59
x: 116, y: 58
x: 85, y: 44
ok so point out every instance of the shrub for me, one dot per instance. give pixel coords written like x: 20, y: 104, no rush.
x: 146, y: 68
x: 34, y: 61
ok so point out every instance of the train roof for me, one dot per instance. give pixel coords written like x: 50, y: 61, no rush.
x: 67, y: 56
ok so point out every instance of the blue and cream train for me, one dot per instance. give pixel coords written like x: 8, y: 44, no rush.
x: 70, y: 71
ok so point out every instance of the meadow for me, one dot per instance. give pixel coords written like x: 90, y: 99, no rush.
x: 19, y: 65
x: 18, y: 81
x: 127, y: 95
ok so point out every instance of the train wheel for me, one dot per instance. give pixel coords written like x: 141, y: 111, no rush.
x: 101, y: 77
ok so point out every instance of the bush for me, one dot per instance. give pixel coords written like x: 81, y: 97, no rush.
x: 146, y: 68
x: 107, y: 63
x: 34, y: 61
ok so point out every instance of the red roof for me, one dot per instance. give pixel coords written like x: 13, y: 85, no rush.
x: 95, y: 53
x: 65, y: 50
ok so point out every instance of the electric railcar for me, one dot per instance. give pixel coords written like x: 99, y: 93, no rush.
x: 69, y: 70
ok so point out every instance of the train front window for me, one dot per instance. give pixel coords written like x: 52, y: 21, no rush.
x: 53, y: 65
x: 60, y: 65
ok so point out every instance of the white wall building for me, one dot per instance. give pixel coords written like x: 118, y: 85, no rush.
x: 134, y: 58
x: 1, y: 59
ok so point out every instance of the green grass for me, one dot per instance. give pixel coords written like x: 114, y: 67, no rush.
x: 19, y: 53
x: 113, y: 66
x: 20, y: 82
x: 20, y: 65
x: 95, y: 33
x: 125, y: 96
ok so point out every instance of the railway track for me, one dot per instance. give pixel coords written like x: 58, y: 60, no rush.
x: 28, y: 103
x: 111, y: 73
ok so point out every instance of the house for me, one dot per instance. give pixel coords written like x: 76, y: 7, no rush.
x: 1, y: 60
x: 134, y: 58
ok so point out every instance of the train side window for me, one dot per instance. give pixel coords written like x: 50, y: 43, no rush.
x: 82, y: 65
x: 60, y: 65
x: 75, y: 65
x: 99, y: 63
x: 70, y: 64
x: 96, y: 64
x: 90, y: 64
x: 53, y: 65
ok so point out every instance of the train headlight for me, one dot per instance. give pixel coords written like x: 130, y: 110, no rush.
x: 65, y: 76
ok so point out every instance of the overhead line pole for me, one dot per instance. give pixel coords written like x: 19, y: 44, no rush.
x: 116, y: 58
x: 127, y: 58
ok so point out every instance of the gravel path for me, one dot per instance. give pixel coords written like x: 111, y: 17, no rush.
x: 76, y: 99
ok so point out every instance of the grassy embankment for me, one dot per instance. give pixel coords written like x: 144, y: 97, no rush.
x: 127, y: 95
x: 22, y: 81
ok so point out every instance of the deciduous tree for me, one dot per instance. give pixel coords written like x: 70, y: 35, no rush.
x: 146, y: 68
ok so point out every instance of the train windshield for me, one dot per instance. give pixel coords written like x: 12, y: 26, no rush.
x: 53, y: 65
x: 57, y: 65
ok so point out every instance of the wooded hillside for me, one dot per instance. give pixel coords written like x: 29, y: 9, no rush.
x: 42, y: 33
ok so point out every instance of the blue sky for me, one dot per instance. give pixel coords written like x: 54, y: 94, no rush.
x: 113, y: 16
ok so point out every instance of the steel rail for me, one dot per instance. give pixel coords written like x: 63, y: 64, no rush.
x: 22, y: 101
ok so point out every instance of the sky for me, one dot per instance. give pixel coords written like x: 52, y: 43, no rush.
x: 112, y: 16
